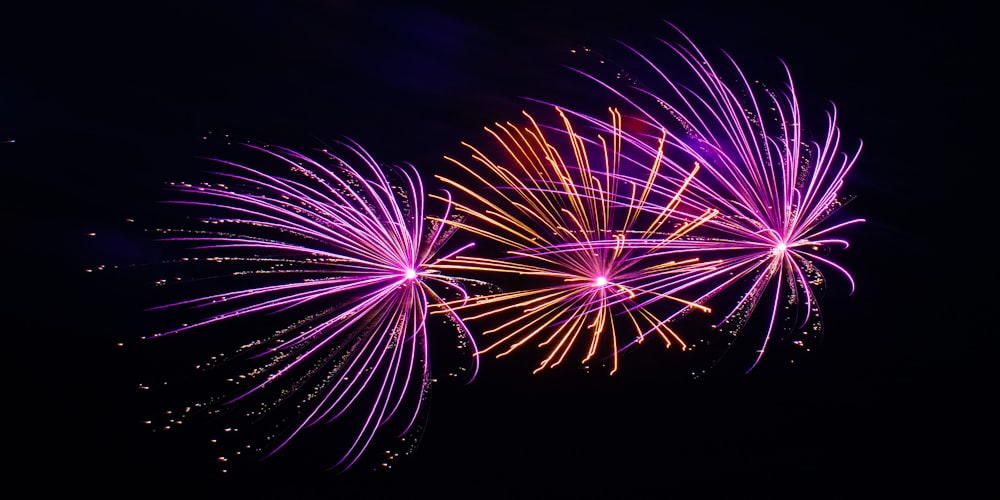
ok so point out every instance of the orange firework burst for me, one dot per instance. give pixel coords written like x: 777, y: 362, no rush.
x: 600, y: 268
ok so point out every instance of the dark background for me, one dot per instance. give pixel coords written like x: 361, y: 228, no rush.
x: 105, y: 103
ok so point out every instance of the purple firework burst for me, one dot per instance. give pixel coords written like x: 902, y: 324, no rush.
x: 775, y: 186
x: 346, y: 256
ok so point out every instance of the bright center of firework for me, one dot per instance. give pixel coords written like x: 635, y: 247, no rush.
x: 410, y: 273
x: 779, y: 249
x: 600, y: 281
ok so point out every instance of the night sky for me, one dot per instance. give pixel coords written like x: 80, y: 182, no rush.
x: 105, y: 104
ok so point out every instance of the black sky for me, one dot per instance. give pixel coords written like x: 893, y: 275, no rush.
x: 106, y: 103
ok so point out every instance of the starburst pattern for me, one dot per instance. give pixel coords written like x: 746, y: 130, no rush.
x: 342, y: 247
x: 591, y: 260
x: 775, y: 187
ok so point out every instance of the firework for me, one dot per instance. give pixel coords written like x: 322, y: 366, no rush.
x: 347, y: 253
x: 593, y: 263
x: 774, y: 185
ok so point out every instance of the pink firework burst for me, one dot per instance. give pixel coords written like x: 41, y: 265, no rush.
x: 341, y: 248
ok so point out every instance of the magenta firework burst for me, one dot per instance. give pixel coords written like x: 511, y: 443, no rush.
x: 775, y: 184
x: 330, y: 266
